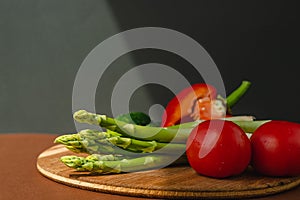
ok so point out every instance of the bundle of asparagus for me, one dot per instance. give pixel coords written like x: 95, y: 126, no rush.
x: 126, y: 147
x: 115, y: 152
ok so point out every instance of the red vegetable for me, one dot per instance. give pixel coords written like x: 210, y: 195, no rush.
x: 276, y: 148
x: 218, y: 148
x: 200, y: 102
x: 192, y: 102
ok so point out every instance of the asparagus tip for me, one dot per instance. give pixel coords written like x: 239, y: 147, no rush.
x: 82, y: 116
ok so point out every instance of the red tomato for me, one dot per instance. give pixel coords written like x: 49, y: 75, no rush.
x: 276, y: 149
x: 218, y: 148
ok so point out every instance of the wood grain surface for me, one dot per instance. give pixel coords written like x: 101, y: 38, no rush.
x: 179, y: 182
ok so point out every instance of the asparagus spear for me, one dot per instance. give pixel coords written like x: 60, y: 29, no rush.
x: 96, y: 164
x: 130, y: 130
x: 178, y: 133
x: 84, y: 142
x: 250, y: 127
x: 92, y: 141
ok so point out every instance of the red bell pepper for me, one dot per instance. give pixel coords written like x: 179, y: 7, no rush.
x: 200, y: 101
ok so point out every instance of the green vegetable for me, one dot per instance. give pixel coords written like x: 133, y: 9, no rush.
x: 95, y: 164
x: 92, y: 141
x: 178, y: 133
x: 138, y: 118
x: 85, y: 142
x: 131, y: 130
x: 236, y: 95
x: 250, y: 127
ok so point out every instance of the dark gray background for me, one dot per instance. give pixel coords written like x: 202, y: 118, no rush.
x: 43, y: 43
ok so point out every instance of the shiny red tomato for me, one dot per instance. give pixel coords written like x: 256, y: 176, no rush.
x: 276, y: 149
x: 218, y: 148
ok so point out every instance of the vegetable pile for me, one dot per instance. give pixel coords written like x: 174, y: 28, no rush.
x: 198, y: 128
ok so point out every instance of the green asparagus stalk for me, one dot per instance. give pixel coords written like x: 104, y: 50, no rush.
x: 178, y: 133
x: 195, y: 123
x: 84, y: 142
x: 158, y: 134
x: 92, y: 141
x: 250, y: 127
x: 96, y: 164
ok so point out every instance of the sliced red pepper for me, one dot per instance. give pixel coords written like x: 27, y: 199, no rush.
x: 184, y: 104
x: 200, y: 102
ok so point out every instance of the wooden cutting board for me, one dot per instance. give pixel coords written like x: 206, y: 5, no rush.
x: 179, y: 182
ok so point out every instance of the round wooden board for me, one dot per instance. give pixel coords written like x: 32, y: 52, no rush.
x: 179, y: 182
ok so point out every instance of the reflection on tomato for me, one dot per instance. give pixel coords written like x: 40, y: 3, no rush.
x: 218, y: 148
x: 276, y: 149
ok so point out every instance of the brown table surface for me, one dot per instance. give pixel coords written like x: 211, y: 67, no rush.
x: 20, y: 179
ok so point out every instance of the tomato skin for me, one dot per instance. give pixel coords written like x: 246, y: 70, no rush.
x: 218, y: 148
x: 276, y: 149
